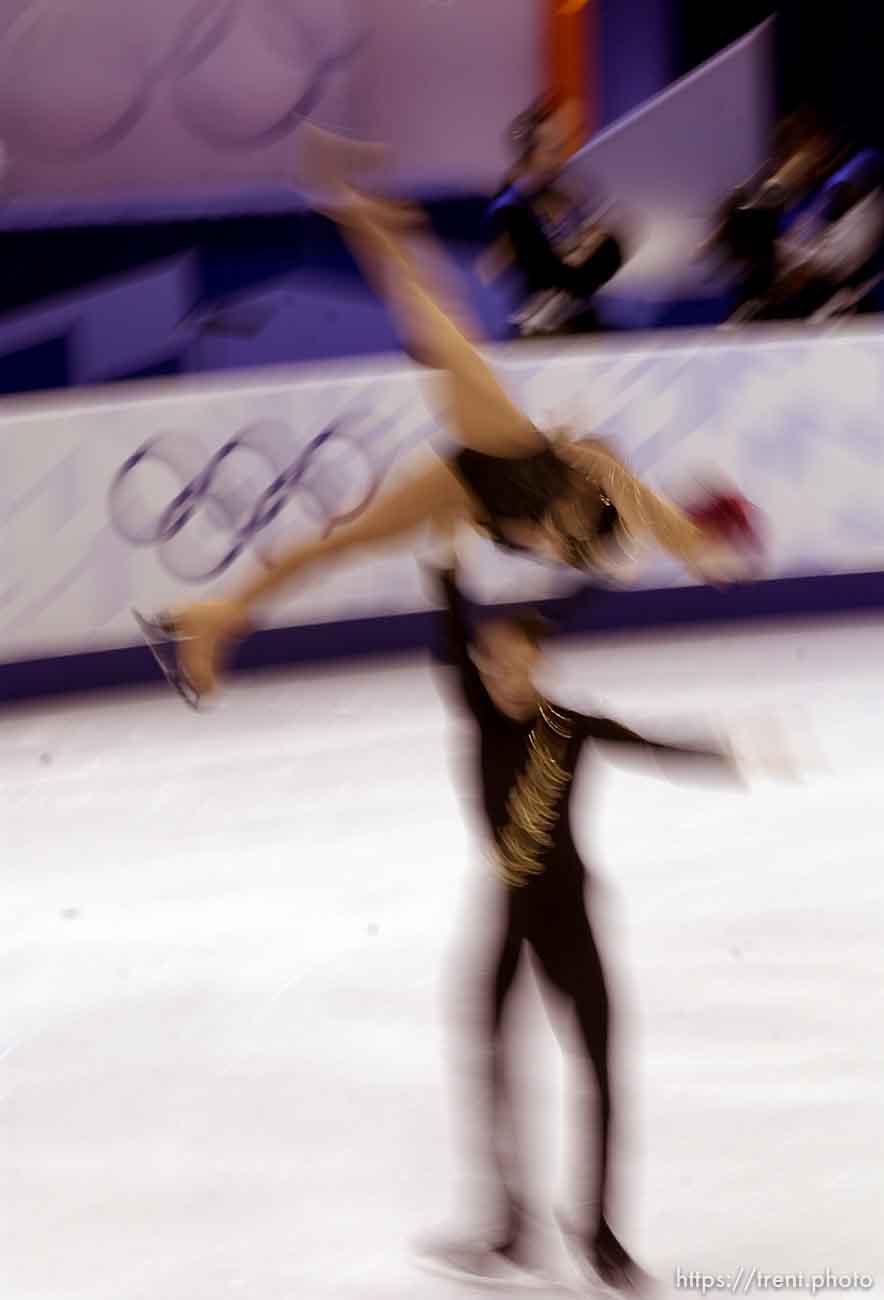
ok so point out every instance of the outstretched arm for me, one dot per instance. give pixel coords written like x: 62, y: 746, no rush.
x: 673, y: 761
x: 643, y: 512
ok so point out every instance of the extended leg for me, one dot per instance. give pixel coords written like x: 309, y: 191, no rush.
x: 484, y: 417
x: 432, y: 494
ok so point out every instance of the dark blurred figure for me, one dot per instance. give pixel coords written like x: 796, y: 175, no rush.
x: 528, y: 750
x: 560, y: 243
x: 804, y: 238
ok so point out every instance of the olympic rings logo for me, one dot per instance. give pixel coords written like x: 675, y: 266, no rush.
x: 140, y: 66
x: 216, y: 509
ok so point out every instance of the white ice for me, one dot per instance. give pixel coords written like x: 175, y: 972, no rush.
x: 225, y: 950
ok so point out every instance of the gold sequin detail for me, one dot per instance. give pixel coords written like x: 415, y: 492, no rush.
x: 532, y: 802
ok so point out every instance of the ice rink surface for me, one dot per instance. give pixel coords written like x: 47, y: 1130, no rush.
x: 227, y: 945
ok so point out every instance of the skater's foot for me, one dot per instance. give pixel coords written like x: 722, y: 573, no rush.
x: 358, y: 211
x: 328, y: 164
x: 602, y: 1258
x: 203, y: 636
x: 613, y: 1263
x: 481, y: 1263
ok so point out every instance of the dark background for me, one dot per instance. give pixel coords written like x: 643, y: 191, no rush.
x: 829, y: 56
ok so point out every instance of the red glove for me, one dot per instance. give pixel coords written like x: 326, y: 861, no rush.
x: 731, y: 519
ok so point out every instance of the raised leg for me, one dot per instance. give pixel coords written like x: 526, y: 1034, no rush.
x: 481, y: 414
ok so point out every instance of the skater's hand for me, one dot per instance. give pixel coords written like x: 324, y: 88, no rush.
x: 376, y: 226
x: 761, y: 752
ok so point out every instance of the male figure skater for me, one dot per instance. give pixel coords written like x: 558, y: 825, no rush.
x: 528, y: 752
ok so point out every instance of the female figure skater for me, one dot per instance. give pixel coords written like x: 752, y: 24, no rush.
x: 529, y: 750
x: 574, y: 502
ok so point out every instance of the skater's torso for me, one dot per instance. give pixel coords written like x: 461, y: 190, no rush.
x: 526, y: 769
x: 523, y: 490
x: 526, y: 772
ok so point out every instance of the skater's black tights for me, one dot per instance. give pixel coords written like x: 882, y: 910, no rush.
x: 551, y: 919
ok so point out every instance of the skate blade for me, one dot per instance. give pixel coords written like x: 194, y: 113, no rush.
x: 161, y: 639
x: 518, y: 1281
x: 592, y: 1284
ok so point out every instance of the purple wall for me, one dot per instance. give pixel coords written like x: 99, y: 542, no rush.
x: 637, y: 54
x: 127, y: 102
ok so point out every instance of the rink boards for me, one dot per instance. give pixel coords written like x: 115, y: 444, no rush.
x: 153, y: 493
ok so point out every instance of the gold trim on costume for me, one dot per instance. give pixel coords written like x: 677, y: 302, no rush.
x: 532, y: 804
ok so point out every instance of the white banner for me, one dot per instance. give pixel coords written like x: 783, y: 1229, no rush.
x: 151, y: 494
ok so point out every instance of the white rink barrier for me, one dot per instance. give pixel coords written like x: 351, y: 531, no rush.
x: 148, y: 494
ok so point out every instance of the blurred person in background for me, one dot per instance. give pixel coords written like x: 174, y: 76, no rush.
x: 804, y: 238
x: 561, y: 244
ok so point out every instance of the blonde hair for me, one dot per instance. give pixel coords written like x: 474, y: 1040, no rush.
x: 642, y: 512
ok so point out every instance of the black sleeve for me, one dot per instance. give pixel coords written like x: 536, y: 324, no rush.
x: 457, y: 647
x: 533, y: 252
x: 675, y: 761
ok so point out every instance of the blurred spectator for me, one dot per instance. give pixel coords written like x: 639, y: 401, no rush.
x: 556, y: 240
x: 805, y: 237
